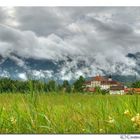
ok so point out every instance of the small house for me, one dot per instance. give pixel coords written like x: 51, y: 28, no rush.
x: 132, y: 90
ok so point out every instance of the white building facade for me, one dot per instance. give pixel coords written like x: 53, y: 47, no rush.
x: 104, y: 83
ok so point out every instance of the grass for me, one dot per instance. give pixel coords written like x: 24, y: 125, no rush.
x: 69, y: 113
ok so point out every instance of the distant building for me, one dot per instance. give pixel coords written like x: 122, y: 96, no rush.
x: 132, y: 90
x: 117, y: 89
x: 105, y: 83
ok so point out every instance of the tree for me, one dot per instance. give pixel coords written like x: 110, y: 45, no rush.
x: 136, y: 84
x: 79, y: 84
x: 98, y: 90
x: 66, y: 86
x: 51, y: 85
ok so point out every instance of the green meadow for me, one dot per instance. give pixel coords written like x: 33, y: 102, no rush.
x: 63, y: 113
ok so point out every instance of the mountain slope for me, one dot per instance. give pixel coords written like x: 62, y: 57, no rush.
x: 69, y: 69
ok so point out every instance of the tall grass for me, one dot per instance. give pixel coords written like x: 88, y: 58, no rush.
x: 68, y: 113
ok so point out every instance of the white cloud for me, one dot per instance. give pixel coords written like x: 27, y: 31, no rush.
x: 5, y: 74
x: 22, y: 76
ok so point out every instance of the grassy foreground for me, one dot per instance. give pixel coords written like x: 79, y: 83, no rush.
x: 69, y: 113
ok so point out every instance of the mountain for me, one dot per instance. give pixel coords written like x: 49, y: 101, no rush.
x: 16, y: 67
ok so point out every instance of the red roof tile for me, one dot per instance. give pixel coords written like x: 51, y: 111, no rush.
x: 99, y: 78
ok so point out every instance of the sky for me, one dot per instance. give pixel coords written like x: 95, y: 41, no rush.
x: 98, y: 38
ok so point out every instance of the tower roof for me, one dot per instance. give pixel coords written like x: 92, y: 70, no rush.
x: 99, y: 78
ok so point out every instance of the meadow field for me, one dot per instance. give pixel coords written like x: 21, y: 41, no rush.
x: 76, y: 113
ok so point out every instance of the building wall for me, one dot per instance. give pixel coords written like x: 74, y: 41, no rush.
x: 89, y: 85
x: 90, y: 89
x: 98, y: 84
x: 105, y: 86
x: 121, y: 92
x: 114, y: 85
x: 95, y: 83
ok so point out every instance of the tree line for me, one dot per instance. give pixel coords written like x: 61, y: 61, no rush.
x: 8, y: 85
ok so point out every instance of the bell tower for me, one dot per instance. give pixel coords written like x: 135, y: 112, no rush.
x: 110, y: 78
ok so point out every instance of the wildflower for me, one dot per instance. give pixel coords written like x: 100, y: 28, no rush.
x: 135, y: 125
x: 136, y: 120
x: 127, y: 112
x: 3, y: 108
x: 101, y: 130
x: 83, y: 130
x: 111, y: 120
x: 137, y: 114
x: 13, y: 120
x: 110, y: 117
x: 133, y: 119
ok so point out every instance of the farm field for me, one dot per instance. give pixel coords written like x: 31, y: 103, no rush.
x: 69, y: 113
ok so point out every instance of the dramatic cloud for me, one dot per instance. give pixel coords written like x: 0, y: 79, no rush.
x: 89, y: 40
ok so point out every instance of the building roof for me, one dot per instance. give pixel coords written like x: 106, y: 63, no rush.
x: 132, y: 89
x: 109, y: 82
x: 99, y: 78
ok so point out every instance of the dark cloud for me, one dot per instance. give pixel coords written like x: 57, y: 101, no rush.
x: 98, y: 37
x: 43, y: 21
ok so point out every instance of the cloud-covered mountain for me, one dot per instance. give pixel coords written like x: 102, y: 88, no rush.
x: 60, y: 70
x: 66, y: 42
